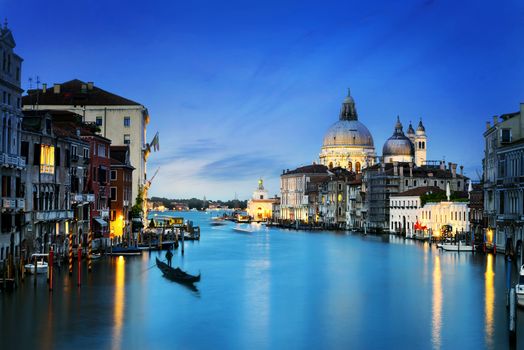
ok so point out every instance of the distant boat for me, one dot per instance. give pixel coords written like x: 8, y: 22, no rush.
x: 95, y: 256
x: 242, y: 230
x: 125, y: 251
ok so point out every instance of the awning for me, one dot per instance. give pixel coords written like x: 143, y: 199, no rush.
x: 102, y: 223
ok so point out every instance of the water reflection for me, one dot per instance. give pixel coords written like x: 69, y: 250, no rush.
x: 118, y: 310
x: 437, y: 305
x: 489, y: 301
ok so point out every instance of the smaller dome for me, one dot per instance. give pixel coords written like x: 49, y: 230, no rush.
x: 398, y: 144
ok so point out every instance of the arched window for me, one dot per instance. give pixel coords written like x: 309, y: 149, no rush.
x: 357, y: 167
x: 330, y: 165
x: 350, y: 166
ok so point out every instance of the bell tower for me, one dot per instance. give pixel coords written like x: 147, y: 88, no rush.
x: 420, y: 145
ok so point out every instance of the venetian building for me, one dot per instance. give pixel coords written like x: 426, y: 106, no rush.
x: 398, y: 148
x: 260, y: 207
x: 348, y: 143
x: 420, y: 144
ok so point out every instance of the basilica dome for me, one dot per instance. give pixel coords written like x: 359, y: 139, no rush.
x: 348, y: 133
x: 348, y: 143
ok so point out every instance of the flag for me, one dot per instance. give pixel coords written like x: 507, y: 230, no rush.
x: 155, y: 144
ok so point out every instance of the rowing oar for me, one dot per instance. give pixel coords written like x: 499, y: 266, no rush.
x: 149, y: 268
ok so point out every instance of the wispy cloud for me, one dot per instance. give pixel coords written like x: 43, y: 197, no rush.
x: 240, y: 166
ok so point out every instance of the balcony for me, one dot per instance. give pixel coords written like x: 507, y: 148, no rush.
x: 8, y: 203
x: 12, y: 161
x: 90, y: 198
x: 126, y: 203
x: 53, y: 215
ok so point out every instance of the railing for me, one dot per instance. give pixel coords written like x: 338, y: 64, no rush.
x: 53, y: 215
x: 8, y: 203
x: 20, y: 203
x: 12, y: 161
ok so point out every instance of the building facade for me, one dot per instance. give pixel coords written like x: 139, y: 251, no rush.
x: 504, y: 180
x: 12, y: 164
x: 119, y: 119
x: 121, y: 178
x: 48, y: 213
x: 294, y: 201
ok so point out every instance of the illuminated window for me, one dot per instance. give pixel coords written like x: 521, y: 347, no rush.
x: 47, y: 159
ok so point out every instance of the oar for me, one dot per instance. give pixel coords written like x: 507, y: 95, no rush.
x: 149, y: 268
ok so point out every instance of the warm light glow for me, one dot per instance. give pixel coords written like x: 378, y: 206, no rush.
x: 489, y: 235
x: 66, y: 227
x: 489, y: 306
x: 47, y: 159
x: 436, y: 320
x: 119, y: 302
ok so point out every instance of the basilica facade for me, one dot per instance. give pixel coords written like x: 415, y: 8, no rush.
x: 349, y: 144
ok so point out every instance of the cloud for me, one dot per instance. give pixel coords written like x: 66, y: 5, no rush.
x: 240, y: 166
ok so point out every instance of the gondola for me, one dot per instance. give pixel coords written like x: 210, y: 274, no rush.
x: 176, y: 274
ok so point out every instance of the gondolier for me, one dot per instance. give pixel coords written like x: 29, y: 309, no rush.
x: 169, y: 256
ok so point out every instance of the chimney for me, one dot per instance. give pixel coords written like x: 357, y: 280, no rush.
x: 90, y: 85
x: 44, y: 88
x: 395, y: 168
x: 488, y: 125
x: 453, y: 169
x: 495, y: 120
x: 56, y: 88
x: 410, y: 169
x: 442, y: 165
x: 461, y: 170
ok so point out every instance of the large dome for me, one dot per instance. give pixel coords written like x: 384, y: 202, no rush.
x: 348, y: 133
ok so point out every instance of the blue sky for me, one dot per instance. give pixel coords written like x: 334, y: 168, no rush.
x: 243, y: 89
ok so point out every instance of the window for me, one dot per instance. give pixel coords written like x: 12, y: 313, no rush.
x: 86, y: 153
x: 47, y: 159
x: 127, y: 139
x: 99, y: 121
x: 113, y: 175
x: 113, y: 193
x: 113, y: 215
x: 505, y: 135
x: 127, y: 122
x: 102, y: 151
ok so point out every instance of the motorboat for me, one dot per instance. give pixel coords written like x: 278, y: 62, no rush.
x: 455, y: 247
x: 519, y: 287
x: 242, y: 230
x: 41, y: 265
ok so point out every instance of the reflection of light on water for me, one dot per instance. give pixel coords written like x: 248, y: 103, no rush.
x: 118, y: 303
x: 437, y: 304
x: 489, y: 301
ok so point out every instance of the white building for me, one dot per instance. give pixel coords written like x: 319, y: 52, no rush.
x: 121, y: 120
x: 404, y: 210
x: 260, y: 206
x: 454, y: 214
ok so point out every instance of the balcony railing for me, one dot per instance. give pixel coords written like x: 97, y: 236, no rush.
x: 10, y: 203
x: 14, y: 161
x: 80, y: 197
x: 53, y: 215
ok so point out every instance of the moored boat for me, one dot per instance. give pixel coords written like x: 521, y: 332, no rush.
x: 127, y: 251
x: 176, y: 274
x: 41, y: 267
x: 459, y: 247
x: 519, y: 288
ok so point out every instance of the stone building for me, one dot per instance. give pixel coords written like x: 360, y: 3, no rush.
x: 294, y: 201
x: 119, y: 119
x: 47, y: 183
x: 504, y: 179
x: 348, y: 143
x: 12, y: 164
x: 477, y: 220
x: 404, y: 209
x: 333, y: 198
x: 121, y: 178
x: 452, y: 215
x: 382, y: 180
x: 355, y: 215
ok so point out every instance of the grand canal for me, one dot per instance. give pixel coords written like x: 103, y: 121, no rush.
x: 272, y: 289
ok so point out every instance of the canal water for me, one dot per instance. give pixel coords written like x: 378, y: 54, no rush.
x: 271, y: 289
